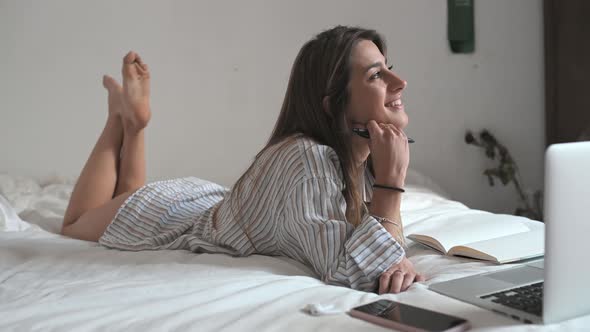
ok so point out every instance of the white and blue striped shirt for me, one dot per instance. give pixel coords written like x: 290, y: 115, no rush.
x: 291, y: 204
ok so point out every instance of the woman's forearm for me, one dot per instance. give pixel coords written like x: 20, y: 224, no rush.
x: 387, y: 204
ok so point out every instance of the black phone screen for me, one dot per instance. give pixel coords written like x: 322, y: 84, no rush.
x: 410, y: 315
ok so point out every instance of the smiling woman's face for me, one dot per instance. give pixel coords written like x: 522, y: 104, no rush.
x: 374, y: 90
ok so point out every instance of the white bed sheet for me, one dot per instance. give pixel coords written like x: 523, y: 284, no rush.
x: 51, y: 283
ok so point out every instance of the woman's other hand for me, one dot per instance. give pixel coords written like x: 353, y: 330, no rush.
x: 399, y: 277
x: 390, y: 153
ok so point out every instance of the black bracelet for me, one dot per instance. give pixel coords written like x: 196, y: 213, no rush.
x: 388, y: 187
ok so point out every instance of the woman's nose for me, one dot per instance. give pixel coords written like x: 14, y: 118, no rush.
x: 396, y: 83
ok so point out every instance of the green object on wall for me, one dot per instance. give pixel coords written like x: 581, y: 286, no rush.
x: 460, y: 20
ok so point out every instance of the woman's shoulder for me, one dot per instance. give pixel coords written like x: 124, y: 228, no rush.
x: 315, y: 159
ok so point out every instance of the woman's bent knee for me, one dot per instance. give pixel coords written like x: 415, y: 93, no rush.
x: 92, y: 224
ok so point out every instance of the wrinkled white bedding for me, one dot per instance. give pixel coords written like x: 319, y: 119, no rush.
x: 53, y: 283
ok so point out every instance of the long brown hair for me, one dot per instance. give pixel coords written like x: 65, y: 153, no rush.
x: 322, y: 69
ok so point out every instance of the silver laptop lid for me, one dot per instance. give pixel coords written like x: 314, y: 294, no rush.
x: 567, y: 231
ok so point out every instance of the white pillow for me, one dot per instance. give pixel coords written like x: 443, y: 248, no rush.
x: 9, y: 220
x: 415, y: 178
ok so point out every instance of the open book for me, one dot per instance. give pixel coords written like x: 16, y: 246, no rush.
x: 492, y: 237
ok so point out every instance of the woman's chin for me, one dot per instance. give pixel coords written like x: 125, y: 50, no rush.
x: 400, y: 121
x: 404, y: 125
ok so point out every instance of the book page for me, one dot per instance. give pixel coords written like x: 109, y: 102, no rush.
x: 473, y: 227
x: 509, y: 248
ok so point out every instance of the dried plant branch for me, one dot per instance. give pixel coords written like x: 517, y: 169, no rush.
x: 507, y: 171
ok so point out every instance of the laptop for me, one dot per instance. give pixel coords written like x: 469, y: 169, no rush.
x: 555, y: 288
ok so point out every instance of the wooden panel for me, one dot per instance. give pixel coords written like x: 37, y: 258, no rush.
x: 567, y: 70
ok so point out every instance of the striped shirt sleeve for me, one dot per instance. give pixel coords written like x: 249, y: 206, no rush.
x: 341, y: 254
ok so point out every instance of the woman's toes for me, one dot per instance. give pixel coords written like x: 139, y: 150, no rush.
x: 130, y: 57
x: 110, y: 83
x: 134, y: 67
x: 114, y: 94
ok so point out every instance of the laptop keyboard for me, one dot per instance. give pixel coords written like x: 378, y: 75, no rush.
x: 527, y: 298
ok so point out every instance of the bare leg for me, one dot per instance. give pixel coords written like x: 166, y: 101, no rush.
x: 91, y: 225
x: 132, y: 170
x: 97, y: 181
x: 92, y: 206
x: 135, y: 115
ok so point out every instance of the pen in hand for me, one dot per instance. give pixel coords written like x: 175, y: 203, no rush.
x: 365, y: 133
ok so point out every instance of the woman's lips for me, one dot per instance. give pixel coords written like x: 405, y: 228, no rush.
x: 395, y: 104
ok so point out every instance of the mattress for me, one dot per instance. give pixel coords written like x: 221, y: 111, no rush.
x: 50, y: 282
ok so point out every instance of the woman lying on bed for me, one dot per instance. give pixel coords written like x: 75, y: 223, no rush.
x: 303, y: 196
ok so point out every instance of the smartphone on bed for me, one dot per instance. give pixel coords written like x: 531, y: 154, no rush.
x: 405, y: 317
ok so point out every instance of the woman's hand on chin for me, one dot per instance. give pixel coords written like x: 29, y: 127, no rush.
x: 389, y: 152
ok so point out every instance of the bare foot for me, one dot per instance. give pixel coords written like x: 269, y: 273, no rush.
x: 136, y: 92
x: 115, y: 95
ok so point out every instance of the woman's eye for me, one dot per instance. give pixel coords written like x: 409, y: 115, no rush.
x: 376, y: 75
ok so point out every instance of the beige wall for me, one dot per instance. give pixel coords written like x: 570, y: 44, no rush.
x: 220, y: 69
